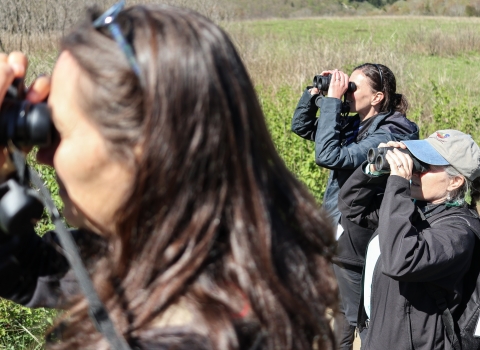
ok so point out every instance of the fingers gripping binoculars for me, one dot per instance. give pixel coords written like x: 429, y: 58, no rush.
x: 24, y: 123
x: 322, y: 83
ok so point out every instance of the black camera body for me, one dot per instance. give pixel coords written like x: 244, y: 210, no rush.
x: 24, y: 123
x: 20, y: 207
x: 376, y: 156
x: 322, y: 83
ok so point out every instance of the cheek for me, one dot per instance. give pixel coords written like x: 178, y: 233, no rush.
x: 424, y: 180
x: 95, y: 185
x: 72, y: 163
x: 359, y: 97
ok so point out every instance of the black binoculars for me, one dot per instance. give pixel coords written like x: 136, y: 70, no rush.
x: 22, y: 122
x: 323, y: 82
x: 376, y: 156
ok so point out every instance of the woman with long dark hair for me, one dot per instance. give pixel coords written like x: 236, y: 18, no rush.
x: 195, y: 233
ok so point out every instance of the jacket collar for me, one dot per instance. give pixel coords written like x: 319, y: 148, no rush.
x: 371, y: 124
x: 429, y: 210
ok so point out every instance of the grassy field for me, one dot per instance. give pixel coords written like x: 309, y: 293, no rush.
x: 420, y: 50
x: 436, y: 61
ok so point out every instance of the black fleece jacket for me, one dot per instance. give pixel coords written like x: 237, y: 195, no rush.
x: 420, y: 246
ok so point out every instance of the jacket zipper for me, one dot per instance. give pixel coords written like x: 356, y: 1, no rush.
x: 408, y: 309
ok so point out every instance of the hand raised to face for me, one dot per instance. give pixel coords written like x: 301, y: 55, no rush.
x: 338, y: 83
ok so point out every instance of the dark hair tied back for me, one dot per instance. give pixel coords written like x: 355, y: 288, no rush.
x: 398, y: 99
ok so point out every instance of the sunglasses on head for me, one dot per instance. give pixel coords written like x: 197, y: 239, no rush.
x: 108, y: 20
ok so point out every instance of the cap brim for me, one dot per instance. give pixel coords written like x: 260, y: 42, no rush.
x: 424, y: 152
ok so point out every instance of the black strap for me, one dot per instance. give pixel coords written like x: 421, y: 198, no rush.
x: 447, y: 317
x: 408, y: 309
x: 97, y: 311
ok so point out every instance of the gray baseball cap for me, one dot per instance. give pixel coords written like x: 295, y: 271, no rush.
x: 448, y: 147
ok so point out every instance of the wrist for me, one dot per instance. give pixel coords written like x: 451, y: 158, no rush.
x: 334, y: 97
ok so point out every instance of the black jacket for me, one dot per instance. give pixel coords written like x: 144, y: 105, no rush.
x: 341, y: 144
x: 420, y: 247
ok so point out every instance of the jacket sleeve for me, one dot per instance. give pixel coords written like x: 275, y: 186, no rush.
x: 360, y: 196
x: 358, y: 202
x: 419, y: 255
x: 304, y: 122
x: 329, y: 151
x: 35, y: 271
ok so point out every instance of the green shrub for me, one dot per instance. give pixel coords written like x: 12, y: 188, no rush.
x: 298, y: 154
x: 461, y: 115
x: 21, y: 327
x: 471, y: 11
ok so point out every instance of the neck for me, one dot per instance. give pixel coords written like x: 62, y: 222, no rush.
x: 370, y: 114
x: 366, y: 116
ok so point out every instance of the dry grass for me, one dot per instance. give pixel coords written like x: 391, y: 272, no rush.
x: 422, y: 51
x: 437, y: 42
x: 419, y: 51
x: 294, y: 61
x: 35, y: 27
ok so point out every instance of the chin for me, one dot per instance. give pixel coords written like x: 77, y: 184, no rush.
x: 418, y: 197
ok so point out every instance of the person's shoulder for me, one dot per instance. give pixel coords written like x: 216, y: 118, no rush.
x: 398, y: 124
x: 461, y: 219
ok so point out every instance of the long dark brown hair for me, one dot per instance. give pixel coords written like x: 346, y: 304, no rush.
x: 215, y: 218
x: 382, y: 79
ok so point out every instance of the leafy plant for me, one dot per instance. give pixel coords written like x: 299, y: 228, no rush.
x: 298, y: 154
x: 22, y: 327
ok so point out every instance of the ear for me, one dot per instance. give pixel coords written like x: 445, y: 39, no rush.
x: 377, y: 98
x: 456, y: 182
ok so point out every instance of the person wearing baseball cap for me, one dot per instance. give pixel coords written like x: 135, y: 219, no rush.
x: 423, y: 229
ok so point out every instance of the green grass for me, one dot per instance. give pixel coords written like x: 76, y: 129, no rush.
x: 355, y: 28
x: 419, y: 50
x: 23, y: 328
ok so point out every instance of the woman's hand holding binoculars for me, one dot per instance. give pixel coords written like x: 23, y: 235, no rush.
x: 338, y: 84
x: 14, y: 65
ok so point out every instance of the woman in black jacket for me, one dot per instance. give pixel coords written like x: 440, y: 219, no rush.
x: 427, y: 223
x: 196, y: 234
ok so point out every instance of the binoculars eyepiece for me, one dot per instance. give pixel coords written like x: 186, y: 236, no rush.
x: 22, y: 122
x: 376, y: 156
